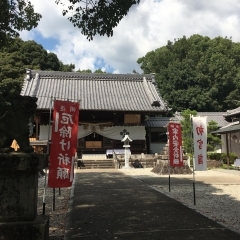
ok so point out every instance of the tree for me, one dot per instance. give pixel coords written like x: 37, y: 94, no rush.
x: 16, y: 15
x: 197, y: 73
x: 212, y: 140
x: 96, y: 17
x: 187, y: 136
x: 15, y: 59
x: 135, y: 72
x: 92, y: 17
x: 84, y: 70
x: 67, y: 67
x: 90, y: 71
x: 99, y: 71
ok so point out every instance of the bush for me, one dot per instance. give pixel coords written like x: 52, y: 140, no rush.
x: 222, y: 157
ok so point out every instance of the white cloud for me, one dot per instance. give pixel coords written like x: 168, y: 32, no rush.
x: 148, y: 26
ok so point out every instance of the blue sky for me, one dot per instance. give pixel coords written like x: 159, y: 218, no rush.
x: 47, y: 43
x: 148, y: 26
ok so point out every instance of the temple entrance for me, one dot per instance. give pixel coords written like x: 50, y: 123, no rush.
x: 94, y: 140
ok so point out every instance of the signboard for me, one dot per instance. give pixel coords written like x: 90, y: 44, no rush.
x: 63, y: 144
x: 175, y: 144
x: 200, y: 143
x: 132, y: 118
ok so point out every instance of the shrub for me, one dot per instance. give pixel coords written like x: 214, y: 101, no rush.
x: 222, y: 157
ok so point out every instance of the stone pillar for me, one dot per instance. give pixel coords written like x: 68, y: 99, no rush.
x: 126, y: 158
x: 19, y: 196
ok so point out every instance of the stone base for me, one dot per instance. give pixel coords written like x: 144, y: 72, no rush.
x: 127, y: 167
x: 19, y: 186
x: 162, y: 168
x: 34, y: 230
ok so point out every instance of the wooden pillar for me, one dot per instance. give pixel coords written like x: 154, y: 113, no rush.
x: 37, y: 120
x: 227, y: 145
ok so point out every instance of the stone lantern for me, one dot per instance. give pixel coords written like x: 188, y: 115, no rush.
x: 126, y: 140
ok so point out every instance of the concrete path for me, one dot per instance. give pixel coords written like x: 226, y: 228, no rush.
x: 108, y: 204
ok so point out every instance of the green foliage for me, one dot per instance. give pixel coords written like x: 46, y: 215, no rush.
x: 66, y: 67
x: 90, y: 71
x: 92, y: 17
x: 187, y: 136
x: 15, y: 59
x: 187, y: 130
x: 197, y: 73
x: 96, y: 17
x: 212, y: 140
x: 16, y: 15
x: 222, y: 157
x: 99, y: 71
x: 84, y: 70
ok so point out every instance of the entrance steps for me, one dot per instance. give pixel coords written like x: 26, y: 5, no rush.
x: 100, y: 161
x: 93, y: 156
x: 95, y: 161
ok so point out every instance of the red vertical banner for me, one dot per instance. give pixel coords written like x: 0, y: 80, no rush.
x: 63, y: 144
x: 175, y: 144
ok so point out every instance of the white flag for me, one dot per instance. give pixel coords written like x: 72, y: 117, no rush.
x: 200, y: 143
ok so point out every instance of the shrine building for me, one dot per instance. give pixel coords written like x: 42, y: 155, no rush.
x: 110, y: 104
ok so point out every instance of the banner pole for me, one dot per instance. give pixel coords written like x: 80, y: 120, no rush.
x: 46, y: 172
x: 194, y: 193
x: 53, y: 202
x: 193, y: 158
x: 169, y: 177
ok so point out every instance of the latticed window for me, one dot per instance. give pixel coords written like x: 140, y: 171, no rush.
x: 81, y: 142
x: 107, y: 142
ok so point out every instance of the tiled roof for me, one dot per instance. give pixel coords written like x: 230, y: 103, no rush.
x: 156, y: 122
x: 214, y: 116
x: 232, y: 112
x: 117, y: 92
x: 211, y: 116
x: 233, y: 127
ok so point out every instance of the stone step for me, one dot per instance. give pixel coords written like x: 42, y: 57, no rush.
x: 93, y: 156
x: 96, y: 167
x: 95, y: 164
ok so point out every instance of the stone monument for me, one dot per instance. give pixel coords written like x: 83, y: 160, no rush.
x: 19, y: 176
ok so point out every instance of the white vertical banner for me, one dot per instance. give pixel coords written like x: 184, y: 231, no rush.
x: 200, y: 143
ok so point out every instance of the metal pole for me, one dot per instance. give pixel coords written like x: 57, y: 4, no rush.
x: 53, y: 202
x: 169, y: 177
x: 194, y: 193
x: 45, y: 180
x: 44, y: 191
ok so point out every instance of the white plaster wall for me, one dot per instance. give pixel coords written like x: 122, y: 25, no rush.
x: 234, y: 144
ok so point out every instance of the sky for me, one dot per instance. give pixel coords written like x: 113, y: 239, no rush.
x: 148, y: 26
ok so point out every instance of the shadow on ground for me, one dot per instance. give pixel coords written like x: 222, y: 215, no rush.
x: 112, y: 205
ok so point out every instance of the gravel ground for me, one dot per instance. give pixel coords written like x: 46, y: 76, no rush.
x: 217, y: 193
x: 57, y: 218
x: 217, y: 197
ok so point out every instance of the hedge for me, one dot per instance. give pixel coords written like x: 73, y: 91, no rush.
x: 222, y: 157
